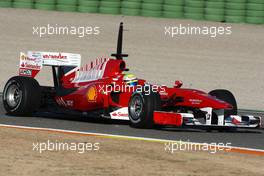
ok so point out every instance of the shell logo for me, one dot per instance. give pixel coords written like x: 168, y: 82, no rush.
x: 91, y: 94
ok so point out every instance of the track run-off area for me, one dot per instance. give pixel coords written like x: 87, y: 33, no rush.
x: 245, y: 139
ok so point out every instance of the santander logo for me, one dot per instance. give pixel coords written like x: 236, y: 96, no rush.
x: 54, y: 56
x: 119, y: 114
x: 30, y: 66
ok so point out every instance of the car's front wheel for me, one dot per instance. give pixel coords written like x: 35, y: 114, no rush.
x: 21, y: 95
x: 141, y: 108
x: 228, y: 97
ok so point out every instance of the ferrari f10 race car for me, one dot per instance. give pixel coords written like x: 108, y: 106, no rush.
x: 105, y: 88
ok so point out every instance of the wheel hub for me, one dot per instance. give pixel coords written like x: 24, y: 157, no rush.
x: 136, y: 107
x: 13, y: 95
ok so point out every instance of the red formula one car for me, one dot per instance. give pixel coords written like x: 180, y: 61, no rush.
x: 105, y: 88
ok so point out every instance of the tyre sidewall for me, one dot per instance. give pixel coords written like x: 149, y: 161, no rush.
x: 18, y: 106
x: 151, y: 102
x: 228, y: 97
x: 30, y: 99
x: 143, y: 113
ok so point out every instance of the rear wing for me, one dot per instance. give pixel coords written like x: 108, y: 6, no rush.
x: 32, y: 62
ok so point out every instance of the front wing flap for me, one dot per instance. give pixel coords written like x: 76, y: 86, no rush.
x: 188, y: 120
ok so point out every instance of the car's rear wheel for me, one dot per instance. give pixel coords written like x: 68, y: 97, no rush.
x: 141, y: 107
x: 21, y: 96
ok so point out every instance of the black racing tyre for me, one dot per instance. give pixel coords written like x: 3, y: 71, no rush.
x: 228, y: 97
x: 141, y: 107
x: 21, y: 95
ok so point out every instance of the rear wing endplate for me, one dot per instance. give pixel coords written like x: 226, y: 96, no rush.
x: 32, y: 62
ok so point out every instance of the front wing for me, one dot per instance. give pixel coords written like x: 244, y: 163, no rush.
x: 188, y: 119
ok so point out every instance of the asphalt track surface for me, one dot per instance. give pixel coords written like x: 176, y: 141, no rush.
x: 249, y: 138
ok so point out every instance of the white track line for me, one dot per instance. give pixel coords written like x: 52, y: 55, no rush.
x: 124, y: 137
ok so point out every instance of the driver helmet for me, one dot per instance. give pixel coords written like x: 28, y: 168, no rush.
x: 130, y: 79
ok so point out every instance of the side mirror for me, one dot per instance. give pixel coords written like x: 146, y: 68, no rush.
x: 178, y: 84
